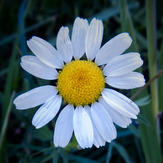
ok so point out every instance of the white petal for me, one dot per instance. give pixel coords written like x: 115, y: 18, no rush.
x: 123, y: 64
x: 64, y: 45
x: 117, y: 117
x: 120, y: 103
x: 98, y: 141
x: 47, y: 111
x: 34, y: 66
x: 93, y: 38
x: 78, y: 37
x: 113, y: 48
x: 45, y: 52
x: 83, y: 129
x: 34, y: 97
x: 127, y: 81
x: 64, y: 127
x: 103, y: 122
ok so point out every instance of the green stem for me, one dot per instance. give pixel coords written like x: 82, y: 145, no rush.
x: 150, y: 135
x: 4, y: 125
x: 126, y: 23
x: 147, y: 84
x: 151, y: 36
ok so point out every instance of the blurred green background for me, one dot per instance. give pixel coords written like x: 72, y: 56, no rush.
x: 20, y: 20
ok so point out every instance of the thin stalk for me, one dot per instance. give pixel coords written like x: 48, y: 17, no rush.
x: 127, y: 24
x: 147, y: 84
x: 4, y: 125
x: 150, y: 135
x: 151, y: 37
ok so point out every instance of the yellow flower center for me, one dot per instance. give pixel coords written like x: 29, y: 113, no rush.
x: 80, y: 82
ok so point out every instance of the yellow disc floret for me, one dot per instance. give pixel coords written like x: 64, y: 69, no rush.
x: 80, y: 82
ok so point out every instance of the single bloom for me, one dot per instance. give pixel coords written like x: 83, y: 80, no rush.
x: 82, y: 72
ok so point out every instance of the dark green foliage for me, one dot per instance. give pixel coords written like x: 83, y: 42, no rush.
x: 19, y: 20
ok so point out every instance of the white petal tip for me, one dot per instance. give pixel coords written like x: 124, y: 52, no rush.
x: 34, y: 124
x: 37, y: 127
x: 16, y: 103
x: 127, y: 37
x: 28, y: 42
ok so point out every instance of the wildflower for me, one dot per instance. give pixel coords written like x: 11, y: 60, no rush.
x: 83, y: 72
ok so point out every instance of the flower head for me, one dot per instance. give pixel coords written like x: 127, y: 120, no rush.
x: 83, y: 72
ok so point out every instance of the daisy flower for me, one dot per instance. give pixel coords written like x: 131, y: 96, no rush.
x: 83, y: 73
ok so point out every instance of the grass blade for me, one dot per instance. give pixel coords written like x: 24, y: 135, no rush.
x: 149, y: 135
x: 122, y: 151
x: 4, y: 125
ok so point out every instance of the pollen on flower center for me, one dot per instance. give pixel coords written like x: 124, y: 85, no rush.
x: 80, y: 82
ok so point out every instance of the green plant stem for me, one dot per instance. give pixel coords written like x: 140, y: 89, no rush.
x: 127, y: 24
x: 160, y: 81
x: 151, y: 36
x: 150, y: 135
x: 147, y: 84
x: 4, y: 125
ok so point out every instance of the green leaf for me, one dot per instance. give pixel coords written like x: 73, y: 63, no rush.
x: 55, y: 156
x: 127, y: 24
x: 43, y: 133
x: 160, y: 80
x: 109, y: 153
x: 72, y: 144
x: 4, y: 125
x: 143, y: 101
x: 122, y: 151
x: 111, y: 11
x: 143, y: 120
x: 134, y: 130
x: 80, y: 159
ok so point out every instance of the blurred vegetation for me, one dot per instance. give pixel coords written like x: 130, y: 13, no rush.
x: 19, y: 21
